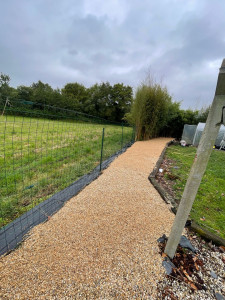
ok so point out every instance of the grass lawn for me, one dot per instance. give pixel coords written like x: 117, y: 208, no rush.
x: 39, y: 157
x: 209, y: 206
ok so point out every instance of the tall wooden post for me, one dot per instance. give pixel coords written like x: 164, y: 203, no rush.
x: 204, y: 150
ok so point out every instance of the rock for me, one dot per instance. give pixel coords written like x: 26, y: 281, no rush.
x: 219, y: 296
x: 185, y: 243
x: 213, y: 274
x: 188, y: 223
x: 168, y: 265
x: 162, y: 239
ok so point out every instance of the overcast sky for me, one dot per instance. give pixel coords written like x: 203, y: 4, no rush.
x: 181, y: 42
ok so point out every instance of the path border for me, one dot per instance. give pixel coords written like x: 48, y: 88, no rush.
x: 203, y: 232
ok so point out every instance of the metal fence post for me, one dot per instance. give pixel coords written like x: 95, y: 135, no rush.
x: 103, y: 134
x: 122, y: 138
x: 133, y: 134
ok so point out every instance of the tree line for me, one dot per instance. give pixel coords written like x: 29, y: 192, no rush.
x: 152, y: 110
x: 110, y: 102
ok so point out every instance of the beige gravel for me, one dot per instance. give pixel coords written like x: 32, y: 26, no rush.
x: 102, y: 243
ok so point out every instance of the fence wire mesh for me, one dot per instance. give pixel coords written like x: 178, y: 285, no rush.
x: 44, y: 152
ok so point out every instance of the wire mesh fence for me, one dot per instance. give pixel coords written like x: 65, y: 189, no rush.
x: 45, y: 153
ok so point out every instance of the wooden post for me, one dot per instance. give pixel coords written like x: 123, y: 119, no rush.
x: 215, y: 118
x: 6, y: 102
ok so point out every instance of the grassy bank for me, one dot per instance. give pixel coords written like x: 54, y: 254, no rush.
x: 209, y: 206
x: 39, y: 157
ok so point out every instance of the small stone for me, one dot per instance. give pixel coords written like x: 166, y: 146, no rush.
x: 168, y: 265
x: 185, y: 243
x: 162, y: 239
x: 213, y: 274
x: 219, y: 296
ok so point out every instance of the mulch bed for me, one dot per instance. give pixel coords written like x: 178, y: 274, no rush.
x: 199, y: 275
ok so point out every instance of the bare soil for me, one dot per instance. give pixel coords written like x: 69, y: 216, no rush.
x: 102, y: 243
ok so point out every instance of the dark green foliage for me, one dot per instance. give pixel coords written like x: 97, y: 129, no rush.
x: 109, y: 102
x: 105, y: 101
x: 75, y: 95
x: 25, y: 92
x: 4, y: 86
x: 42, y: 93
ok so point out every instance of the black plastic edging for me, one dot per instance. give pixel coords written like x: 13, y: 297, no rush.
x: 203, y: 232
x: 14, y: 233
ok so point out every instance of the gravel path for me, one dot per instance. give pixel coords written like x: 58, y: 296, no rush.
x: 102, y: 243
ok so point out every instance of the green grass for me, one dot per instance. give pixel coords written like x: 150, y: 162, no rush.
x: 39, y: 157
x: 209, y: 206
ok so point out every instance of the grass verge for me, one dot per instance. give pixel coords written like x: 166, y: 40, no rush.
x: 209, y: 206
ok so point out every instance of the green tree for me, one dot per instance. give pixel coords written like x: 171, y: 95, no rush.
x: 99, y: 98
x: 174, y: 125
x: 75, y: 95
x: 41, y: 93
x: 120, y: 101
x: 24, y: 92
x: 4, y: 86
x: 109, y: 102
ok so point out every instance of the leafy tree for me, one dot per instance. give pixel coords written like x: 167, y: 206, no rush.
x: 41, y: 93
x: 4, y: 86
x: 121, y: 101
x: 24, y: 92
x: 109, y: 102
x: 189, y: 116
x: 174, y: 125
x: 102, y: 94
x: 75, y: 95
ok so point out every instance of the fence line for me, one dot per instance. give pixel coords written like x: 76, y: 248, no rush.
x: 44, y: 157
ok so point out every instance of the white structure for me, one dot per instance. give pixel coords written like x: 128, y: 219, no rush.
x: 221, y: 136
x: 192, y: 134
x: 222, y: 143
x: 188, y: 133
x: 198, y: 133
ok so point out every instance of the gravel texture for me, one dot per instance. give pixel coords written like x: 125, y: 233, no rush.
x: 102, y: 243
x: 207, y: 282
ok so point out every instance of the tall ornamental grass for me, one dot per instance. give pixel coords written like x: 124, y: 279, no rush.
x: 150, y: 110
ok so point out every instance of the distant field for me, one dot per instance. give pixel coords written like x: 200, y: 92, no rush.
x: 209, y: 207
x: 39, y: 157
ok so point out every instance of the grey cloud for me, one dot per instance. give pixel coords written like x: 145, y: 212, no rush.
x: 64, y: 41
